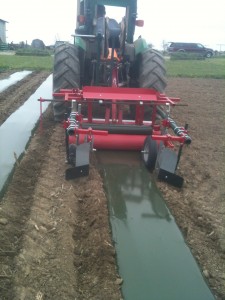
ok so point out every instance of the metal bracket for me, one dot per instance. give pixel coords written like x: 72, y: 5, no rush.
x: 77, y: 172
x: 166, y: 164
x: 170, y: 178
x: 81, y: 167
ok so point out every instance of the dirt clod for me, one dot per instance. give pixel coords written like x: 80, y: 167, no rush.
x: 3, y: 221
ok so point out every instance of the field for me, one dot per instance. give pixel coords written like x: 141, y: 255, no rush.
x: 54, y: 235
x: 209, y: 68
x: 9, y: 62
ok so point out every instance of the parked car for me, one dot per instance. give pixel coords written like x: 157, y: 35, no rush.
x: 190, y: 48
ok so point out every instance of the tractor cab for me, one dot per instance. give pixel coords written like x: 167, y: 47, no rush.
x: 89, y: 12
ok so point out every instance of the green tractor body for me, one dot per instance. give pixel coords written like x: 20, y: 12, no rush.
x: 97, y: 40
x: 91, y: 10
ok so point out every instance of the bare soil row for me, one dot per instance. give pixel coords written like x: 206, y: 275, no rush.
x: 55, y: 235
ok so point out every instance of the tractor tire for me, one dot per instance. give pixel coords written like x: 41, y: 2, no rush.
x: 66, y: 74
x: 149, y: 153
x: 148, y: 71
x: 152, y: 72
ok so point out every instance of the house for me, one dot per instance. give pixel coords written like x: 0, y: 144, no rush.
x: 3, y: 31
x: 3, y: 44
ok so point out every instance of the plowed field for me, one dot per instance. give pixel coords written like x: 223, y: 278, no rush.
x: 55, y: 240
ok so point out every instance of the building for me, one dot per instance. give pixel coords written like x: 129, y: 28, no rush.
x: 3, y: 31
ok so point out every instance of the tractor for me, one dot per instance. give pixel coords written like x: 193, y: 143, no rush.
x: 108, y: 90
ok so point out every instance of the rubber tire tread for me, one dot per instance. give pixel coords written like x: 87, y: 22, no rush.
x: 149, y: 158
x: 152, y: 71
x: 66, y: 74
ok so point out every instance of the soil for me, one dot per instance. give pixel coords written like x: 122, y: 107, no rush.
x: 55, y: 239
x: 13, y: 97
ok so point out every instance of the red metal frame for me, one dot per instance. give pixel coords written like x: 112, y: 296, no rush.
x: 114, y: 98
x: 117, y: 97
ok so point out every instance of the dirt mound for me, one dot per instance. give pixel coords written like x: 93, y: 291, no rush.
x: 13, y: 97
x: 55, y: 238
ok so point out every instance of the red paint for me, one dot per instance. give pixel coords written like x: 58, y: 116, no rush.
x: 114, y: 141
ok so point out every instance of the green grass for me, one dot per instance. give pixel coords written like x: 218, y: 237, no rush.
x: 208, y: 68
x: 25, y: 62
x: 32, y: 52
x: 186, y: 56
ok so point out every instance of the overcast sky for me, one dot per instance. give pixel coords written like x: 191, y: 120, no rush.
x: 165, y: 20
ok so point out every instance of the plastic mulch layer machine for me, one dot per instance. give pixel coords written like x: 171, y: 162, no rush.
x: 109, y: 125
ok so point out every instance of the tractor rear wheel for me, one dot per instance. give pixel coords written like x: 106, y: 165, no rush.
x: 66, y: 74
x: 152, y: 72
x: 148, y: 71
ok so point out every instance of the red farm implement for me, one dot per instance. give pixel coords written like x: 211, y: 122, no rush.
x: 147, y: 132
x: 109, y: 90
